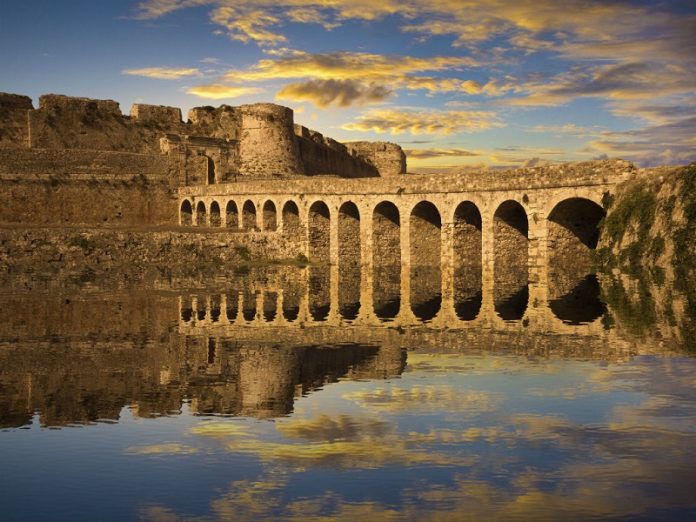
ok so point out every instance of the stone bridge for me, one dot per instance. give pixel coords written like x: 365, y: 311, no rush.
x: 493, y: 237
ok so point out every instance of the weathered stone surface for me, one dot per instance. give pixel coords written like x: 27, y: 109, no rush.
x: 158, y: 114
x: 387, y: 158
x: 263, y: 139
x: 14, y: 124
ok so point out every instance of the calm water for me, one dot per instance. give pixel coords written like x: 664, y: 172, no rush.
x: 284, y: 395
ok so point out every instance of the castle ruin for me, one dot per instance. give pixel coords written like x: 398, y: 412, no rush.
x: 251, y: 171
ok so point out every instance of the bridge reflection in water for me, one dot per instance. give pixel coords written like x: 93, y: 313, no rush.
x: 326, y: 296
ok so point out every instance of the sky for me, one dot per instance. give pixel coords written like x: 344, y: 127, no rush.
x: 458, y: 84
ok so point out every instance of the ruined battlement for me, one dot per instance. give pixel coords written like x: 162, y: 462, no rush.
x: 160, y: 114
x: 388, y: 158
x: 254, y: 141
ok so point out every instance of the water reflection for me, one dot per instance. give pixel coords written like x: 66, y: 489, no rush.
x: 282, y: 409
x: 387, y: 291
x: 214, y: 375
x: 468, y: 292
x: 349, y: 292
x: 426, y: 298
x: 582, y: 304
x: 319, y: 288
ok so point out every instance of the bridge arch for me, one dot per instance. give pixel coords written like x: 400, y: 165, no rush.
x: 386, y: 259
x: 291, y: 224
x: 232, y: 308
x: 201, y: 214
x: 580, y: 304
x: 270, y: 217
x: 511, y: 260
x: 319, y: 235
x: 249, y: 215
x: 467, y: 241
x: 232, y: 215
x: 425, y: 231
x: 186, y: 213
x: 349, y: 256
x: 573, y: 231
x: 215, y: 218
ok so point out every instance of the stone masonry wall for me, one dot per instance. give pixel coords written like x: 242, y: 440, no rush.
x: 267, y: 143
x: 85, y: 187
x: 14, y: 120
x: 387, y: 158
x: 63, y: 122
x: 267, y: 147
x: 321, y: 155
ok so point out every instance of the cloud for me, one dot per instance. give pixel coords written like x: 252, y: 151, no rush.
x: 438, y: 153
x: 167, y: 448
x: 310, y: 16
x: 343, y: 93
x: 218, y: 91
x: 344, y: 65
x: 570, y: 129
x: 536, y: 162
x: 344, y: 78
x: 164, y: 73
x: 431, y: 398
x: 423, y: 121
x: 327, y: 428
x: 248, y: 25
x: 666, y: 111
x: 668, y: 144
x: 342, y: 442
x: 624, y: 81
x: 577, y: 29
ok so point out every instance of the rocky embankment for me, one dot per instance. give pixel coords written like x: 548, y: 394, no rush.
x: 647, y: 249
x: 97, y: 252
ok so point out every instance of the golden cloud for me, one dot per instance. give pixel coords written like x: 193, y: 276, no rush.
x: 597, y: 30
x: 343, y: 93
x: 396, y: 399
x: 343, y: 65
x: 248, y: 25
x: 423, y: 122
x: 328, y: 428
x: 344, y: 442
x: 438, y: 153
x: 218, y: 91
x: 163, y: 73
x: 170, y: 448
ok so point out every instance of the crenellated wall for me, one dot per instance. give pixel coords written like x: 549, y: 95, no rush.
x: 321, y: 155
x: 387, y: 158
x: 82, y: 161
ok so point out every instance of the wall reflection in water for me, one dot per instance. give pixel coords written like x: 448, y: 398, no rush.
x: 575, y: 414
x: 69, y: 383
x: 387, y: 292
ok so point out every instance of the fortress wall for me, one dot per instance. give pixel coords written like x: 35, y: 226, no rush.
x: 516, y: 180
x: 44, y: 186
x: 64, y: 122
x: 388, y: 158
x: 224, y: 122
x: 157, y: 114
x: 14, y: 120
x: 191, y: 154
x: 249, y: 141
x: 322, y: 155
x: 267, y: 146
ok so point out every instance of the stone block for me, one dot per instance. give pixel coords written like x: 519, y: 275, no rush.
x: 155, y: 113
x: 15, y: 101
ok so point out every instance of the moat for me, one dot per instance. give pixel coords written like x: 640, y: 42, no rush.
x: 279, y: 394
x: 235, y: 317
